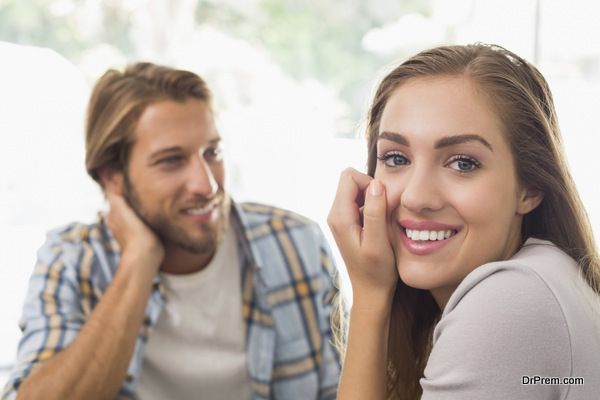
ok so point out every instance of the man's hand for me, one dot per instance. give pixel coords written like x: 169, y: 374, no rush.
x: 94, y: 365
x: 135, y: 238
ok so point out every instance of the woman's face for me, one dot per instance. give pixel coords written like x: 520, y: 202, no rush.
x: 453, y: 201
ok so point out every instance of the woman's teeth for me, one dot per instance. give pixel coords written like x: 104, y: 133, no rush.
x: 424, y: 236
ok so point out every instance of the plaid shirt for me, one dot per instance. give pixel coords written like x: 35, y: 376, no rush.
x: 287, y: 292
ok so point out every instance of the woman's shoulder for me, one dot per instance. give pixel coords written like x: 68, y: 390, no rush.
x: 539, y: 278
x: 532, y: 315
x: 511, y: 300
x: 540, y: 286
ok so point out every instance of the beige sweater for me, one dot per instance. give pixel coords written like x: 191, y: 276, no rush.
x: 513, y: 325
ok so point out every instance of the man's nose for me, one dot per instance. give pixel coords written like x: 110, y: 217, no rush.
x: 201, y: 180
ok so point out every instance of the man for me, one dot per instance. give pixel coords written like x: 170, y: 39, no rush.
x: 178, y: 292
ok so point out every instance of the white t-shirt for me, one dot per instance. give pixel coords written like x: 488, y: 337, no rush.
x: 197, y: 349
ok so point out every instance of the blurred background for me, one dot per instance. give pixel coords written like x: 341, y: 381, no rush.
x: 291, y: 80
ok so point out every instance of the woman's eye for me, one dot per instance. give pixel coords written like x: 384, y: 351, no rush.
x: 393, y: 159
x: 464, y: 164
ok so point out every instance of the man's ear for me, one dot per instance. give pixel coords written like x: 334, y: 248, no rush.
x: 112, y: 180
x: 529, y: 200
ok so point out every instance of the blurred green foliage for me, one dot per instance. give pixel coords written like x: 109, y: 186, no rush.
x: 318, y: 39
x: 309, y: 39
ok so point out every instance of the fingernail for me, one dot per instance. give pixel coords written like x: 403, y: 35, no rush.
x: 375, y: 188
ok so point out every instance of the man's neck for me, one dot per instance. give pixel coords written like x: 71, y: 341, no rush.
x: 179, y: 261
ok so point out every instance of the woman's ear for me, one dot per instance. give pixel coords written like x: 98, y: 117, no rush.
x: 529, y: 200
x: 112, y: 180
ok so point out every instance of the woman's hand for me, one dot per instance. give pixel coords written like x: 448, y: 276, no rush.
x: 362, y: 237
x: 361, y: 234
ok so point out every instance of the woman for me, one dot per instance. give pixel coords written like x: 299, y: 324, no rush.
x: 473, y: 266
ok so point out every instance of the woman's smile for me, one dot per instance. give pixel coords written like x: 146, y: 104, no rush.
x: 453, y: 200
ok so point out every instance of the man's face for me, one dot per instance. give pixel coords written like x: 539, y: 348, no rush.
x: 175, y: 177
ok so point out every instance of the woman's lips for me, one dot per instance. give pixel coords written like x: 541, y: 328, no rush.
x: 425, y: 237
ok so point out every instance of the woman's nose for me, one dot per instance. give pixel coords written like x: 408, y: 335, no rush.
x: 422, y: 191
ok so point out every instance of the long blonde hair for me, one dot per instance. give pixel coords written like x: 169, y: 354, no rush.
x: 520, y: 97
x: 118, y: 100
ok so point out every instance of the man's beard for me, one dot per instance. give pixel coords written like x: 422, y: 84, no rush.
x: 170, y: 233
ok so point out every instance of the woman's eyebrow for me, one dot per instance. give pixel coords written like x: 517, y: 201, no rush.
x: 394, y: 137
x: 458, y: 139
x: 443, y: 142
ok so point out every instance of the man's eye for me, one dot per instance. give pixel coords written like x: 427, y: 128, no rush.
x: 170, y: 160
x: 214, y: 153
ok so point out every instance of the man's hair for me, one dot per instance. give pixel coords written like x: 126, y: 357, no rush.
x: 118, y: 100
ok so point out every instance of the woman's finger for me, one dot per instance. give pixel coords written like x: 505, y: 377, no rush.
x: 348, y: 200
x: 374, y: 218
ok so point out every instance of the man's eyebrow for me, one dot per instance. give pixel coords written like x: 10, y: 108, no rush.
x: 215, y: 140
x: 166, y: 150
x: 458, y: 139
x: 174, y: 149
x: 394, y: 137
